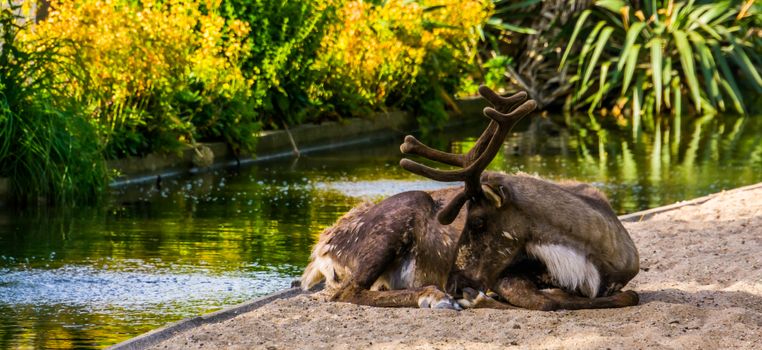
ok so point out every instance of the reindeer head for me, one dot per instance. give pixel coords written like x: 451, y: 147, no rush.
x: 484, y: 196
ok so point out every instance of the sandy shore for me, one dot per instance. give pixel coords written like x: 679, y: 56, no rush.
x: 700, y: 286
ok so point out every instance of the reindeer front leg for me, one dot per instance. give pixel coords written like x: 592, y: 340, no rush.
x: 425, y: 297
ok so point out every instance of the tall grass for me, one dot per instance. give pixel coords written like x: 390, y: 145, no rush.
x: 47, y: 149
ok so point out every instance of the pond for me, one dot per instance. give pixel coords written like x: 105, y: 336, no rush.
x: 92, y: 277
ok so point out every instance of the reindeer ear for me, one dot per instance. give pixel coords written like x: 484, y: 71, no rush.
x: 496, y: 197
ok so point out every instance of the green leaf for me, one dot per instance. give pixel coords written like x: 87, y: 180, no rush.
x: 708, y: 71
x: 582, y: 90
x: 748, y: 68
x: 674, y: 20
x: 725, y: 15
x: 656, y: 72
x: 678, y: 99
x: 693, y: 16
x: 589, y: 44
x: 637, y: 104
x: 666, y: 78
x: 611, y: 5
x: 599, y: 46
x: 711, y: 12
x: 577, y: 27
x: 499, y: 24
x: 629, y: 69
x: 434, y: 8
x: 632, y: 35
x: 732, y: 87
x: 686, y: 61
x: 480, y: 31
x: 711, y: 31
x: 737, y: 102
x: 707, y: 108
x: 603, y: 86
x: 515, y: 6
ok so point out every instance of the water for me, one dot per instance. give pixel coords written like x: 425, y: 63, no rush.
x: 91, y: 277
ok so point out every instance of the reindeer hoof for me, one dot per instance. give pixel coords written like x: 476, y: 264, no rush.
x: 446, y: 304
x: 438, y: 300
x: 449, y: 304
x: 471, y: 298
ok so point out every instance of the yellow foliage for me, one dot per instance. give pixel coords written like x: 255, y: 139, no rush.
x: 375, y: 50
x: 141, y: 55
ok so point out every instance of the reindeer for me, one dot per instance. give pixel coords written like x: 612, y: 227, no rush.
x: 536, y: 244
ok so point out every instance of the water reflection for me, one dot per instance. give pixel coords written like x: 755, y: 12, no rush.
x: 90, y: 277
x: 651, y: 170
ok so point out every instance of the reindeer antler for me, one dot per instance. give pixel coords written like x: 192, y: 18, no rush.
x: 507, y: 111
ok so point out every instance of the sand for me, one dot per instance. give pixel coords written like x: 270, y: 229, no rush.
x: 700, y: 286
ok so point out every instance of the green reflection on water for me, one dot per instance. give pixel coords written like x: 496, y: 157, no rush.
x: 251, y: 229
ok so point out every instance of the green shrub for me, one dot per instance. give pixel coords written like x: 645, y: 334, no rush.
x: 319, y: 59
x: 408, y: 54
x: 47, y: 148
x: 644, y: 60
x: 282, y: 47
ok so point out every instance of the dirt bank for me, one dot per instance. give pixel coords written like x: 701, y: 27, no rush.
x: 700, y: 287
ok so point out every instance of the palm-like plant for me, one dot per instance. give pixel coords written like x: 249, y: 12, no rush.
x: 650, y: 57
x: 530, y: 34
